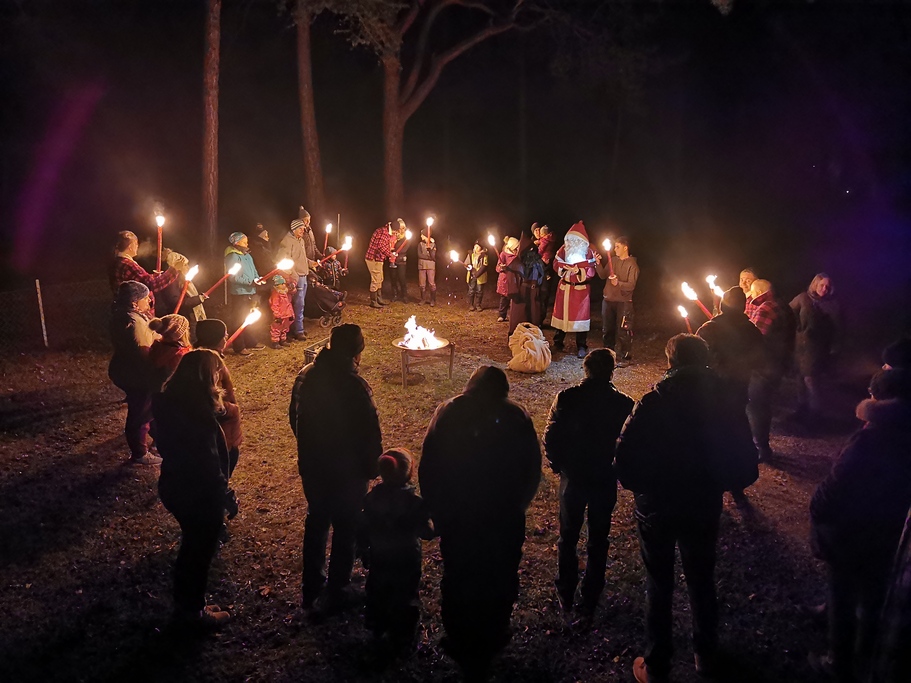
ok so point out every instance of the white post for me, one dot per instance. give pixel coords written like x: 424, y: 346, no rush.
x: 41, y: 312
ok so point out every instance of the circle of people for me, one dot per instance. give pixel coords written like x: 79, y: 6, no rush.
x: 701, y: 431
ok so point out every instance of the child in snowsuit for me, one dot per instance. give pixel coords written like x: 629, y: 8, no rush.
x: 395, y: 519
x: 282, y: 311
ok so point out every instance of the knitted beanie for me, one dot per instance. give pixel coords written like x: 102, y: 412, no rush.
x: 235, y: 237
x: 171, y: 327
x: 131, y: 291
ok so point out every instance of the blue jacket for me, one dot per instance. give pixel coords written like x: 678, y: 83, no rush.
x: 242, y: 283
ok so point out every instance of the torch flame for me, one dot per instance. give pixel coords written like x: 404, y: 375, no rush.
x: 195, y: 269
x: 491, y: 240
x: 159, y: 221
x: 429, y: 221
x: 408, y: 234
x: 606, y: 244
x: 329, y: 228
x: 285, y: 264
x: 234, y: 270
x: 717, y: 291
x: 711, y: 280
x: 252, y: 317
x: 683, y: 312
x: 688, y: 292
x: 347, y: 242
x: 454, y: 255
x: 418, y: 337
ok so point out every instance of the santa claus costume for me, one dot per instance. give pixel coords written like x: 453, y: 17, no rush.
x: 575, y: 268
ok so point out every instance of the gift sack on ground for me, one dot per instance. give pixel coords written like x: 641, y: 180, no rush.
x: 530, y: 350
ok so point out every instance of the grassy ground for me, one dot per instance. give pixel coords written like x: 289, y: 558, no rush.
x: 86, y: 549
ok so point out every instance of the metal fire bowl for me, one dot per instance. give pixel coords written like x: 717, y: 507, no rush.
x: 420, y: 353
x: 415, y: 357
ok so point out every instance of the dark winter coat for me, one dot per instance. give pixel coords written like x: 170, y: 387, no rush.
x: 817, y: 328
x: 736, y: 347
x: 480, y: 463
x: 394, y: 521
x: 334, y: 418
x: 858, y: 511
x: 582, y: 429
x: 195, y: 463
x: 686, y: 442
x: 167, y: 298
x: 262, y: 253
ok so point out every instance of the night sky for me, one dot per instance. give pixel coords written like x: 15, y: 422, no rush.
x: 775, y: 136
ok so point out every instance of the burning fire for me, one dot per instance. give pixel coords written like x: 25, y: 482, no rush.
x: 688, y: 292
x: 418, y: 337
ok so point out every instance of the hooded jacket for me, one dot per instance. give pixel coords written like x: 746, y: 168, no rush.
x: 685, y: 444
x: 858, y: 511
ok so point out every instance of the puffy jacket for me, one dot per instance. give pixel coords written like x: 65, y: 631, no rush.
x: 296, y: 250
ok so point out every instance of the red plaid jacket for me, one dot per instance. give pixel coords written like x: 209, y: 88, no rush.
x: 380, y: 245
x: 764, y: 311
x: 125, y: 269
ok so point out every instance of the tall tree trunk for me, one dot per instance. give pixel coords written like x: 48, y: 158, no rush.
x: 312, y: 163
x: 393, y: 136
x: 523, y: 136
x: 210, y: 126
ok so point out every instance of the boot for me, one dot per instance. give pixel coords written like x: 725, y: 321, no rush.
x: 373, y: 302
x: 471, y: 302
x: 480, y: 298
x: 422, y: 294
x: 428, y: 296
x: 433, y: 297
x: 379, y: 298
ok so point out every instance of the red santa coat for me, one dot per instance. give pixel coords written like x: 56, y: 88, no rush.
x: 572, y: 308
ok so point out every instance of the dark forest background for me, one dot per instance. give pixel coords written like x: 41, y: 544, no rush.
x: 774, y: 136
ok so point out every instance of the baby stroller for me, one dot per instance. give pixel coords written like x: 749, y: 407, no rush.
x: 324, y: 303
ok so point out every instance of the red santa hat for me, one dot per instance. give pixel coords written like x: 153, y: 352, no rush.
x: 579, y: 231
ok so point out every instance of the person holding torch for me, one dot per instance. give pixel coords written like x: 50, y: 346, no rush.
x: 296, y: 246
x: 476, y: 275
x: 242, y: 295
x: 427, y: 265
x: 379, y: 249
x: 621, y: 275
x: 398, y: 262
x: 124, y: 268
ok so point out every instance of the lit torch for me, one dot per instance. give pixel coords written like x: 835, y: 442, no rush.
x: 346, y: 247
x: 717, y: 292
x: 610, y: 261
x: 429, y: 225
x: 454, y: 255
x: 234, y: 270
x: 285, y: 264
x: 186, y: 283
x: 690, y: 294
x: 326, y: 242
x: 408, y: 235
x: 159, y: 221
x: 686, y: 317
x: 251, y: 318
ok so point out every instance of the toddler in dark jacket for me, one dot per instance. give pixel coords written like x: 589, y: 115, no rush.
x: 395, y: 519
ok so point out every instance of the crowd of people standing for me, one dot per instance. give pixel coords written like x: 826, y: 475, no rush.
x: 701, y: 431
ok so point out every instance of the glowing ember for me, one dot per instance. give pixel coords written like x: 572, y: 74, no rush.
x: 688, y: 292
x: 418, y: 337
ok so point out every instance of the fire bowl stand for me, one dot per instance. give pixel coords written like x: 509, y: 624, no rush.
x: 414, y: 357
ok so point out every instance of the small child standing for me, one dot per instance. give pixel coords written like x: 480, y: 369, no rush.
x: 395, y: 520
x: 282, y: 311
x: 166, y: 352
